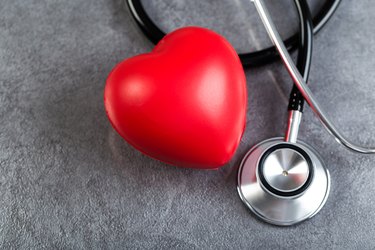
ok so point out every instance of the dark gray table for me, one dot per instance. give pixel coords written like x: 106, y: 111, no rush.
x: 68, y: 181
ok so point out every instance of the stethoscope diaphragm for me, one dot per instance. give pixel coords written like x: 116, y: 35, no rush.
x: 283, y: 183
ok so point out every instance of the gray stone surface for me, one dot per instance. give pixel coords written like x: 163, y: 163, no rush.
x: 68, y: 181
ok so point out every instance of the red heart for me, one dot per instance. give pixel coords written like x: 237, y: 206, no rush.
x: 184, y: 103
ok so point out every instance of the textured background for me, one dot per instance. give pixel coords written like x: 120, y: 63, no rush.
x: 67, y: 180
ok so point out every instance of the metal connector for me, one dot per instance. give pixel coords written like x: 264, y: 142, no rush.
x: 294, y: 121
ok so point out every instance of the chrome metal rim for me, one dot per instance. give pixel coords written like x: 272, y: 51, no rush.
x: 278, y: 209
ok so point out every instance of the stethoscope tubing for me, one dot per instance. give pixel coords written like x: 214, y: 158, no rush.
x: 250, y: 59
x: 300, y: 82
x: 304, y: 58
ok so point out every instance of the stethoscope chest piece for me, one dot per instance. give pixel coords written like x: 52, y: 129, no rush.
x: 283, y: 183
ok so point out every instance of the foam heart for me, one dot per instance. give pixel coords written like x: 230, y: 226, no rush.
x: 184, y: 103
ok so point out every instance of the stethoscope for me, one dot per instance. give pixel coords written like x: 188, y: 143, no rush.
x: 281, y: 180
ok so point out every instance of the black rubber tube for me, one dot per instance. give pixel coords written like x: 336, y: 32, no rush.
x: 305, y: 46
x: 253, y: 59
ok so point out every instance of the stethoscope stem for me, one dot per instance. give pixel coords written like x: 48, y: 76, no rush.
x: 301, y: 84
x: 294, y: 120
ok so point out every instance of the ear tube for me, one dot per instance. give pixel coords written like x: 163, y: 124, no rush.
x: 300, y: 82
